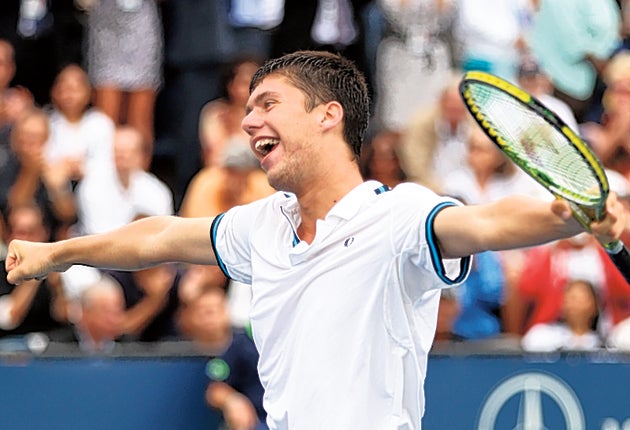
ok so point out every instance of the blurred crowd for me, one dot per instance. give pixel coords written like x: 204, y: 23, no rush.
x: 113, y: 110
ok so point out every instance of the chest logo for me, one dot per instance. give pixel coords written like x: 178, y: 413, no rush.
x: 349, y: 241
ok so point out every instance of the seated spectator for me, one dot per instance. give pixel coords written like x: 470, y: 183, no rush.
x: 611, y: 138
x: 149, y: 298
x: 379, y: 160
x: 576, y: 330
x: 220, y: 120
x: 110, y: 199
x: 234, y: 388
x: 548, y: 269
x: 481, y: 299
x: 237, y: 180
x: 434, y: 143
x: 13, y: 100
x: 32, y: 178
x: 532, y: 79
x: 35, y: 305
x: 99, y: 322
x: 204, y: 319
x: 81, y: 137
x: 215, y: 189
x: 488, y: 174
x: 151, y: 302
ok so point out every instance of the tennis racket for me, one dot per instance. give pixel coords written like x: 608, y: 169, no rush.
x: 541, y: 144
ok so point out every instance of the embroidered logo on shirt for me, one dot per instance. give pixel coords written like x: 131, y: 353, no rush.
x: 348, y: 241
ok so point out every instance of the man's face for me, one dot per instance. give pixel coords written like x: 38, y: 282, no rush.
x: 7, y: 65
x: 71, y: 92
x: 25, y: 224
x: 31, y: 136
x: 282, y: 133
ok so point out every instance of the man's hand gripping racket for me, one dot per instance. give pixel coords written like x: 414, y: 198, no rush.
x: 541, y: 144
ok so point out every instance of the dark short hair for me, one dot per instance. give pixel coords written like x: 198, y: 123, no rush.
x: 323, y: 77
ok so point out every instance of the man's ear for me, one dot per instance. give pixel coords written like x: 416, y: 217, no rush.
x: 332, y: 115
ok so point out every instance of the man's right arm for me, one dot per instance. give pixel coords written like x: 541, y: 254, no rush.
x: 140, y: 244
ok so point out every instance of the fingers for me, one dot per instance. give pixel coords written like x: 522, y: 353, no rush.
x: 610, y: 228
x: 561, y: 208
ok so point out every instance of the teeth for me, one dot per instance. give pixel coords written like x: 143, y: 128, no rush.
x: 264, y: 146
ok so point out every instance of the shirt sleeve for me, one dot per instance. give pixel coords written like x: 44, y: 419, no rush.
x: 230, y: 236
x: 421, y: 264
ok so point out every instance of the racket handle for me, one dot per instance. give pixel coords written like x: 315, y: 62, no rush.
x: 621, y: 257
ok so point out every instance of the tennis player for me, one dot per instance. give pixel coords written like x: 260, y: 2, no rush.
x: 345, y: 274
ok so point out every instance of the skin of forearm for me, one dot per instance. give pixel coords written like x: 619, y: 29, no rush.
x: 514, y: 222
x: 140, y: 244
x: 22, y: 299
x: 131, y: 247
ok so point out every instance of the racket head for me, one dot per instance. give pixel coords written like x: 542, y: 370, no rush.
x: 538, y: 141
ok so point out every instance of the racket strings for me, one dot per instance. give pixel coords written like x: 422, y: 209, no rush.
x: 530, y: 141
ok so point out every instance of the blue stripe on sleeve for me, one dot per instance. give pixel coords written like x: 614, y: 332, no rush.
x: 213, y: 238
x: 436, y: 257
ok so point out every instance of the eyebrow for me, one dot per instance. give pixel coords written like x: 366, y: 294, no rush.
x: 259, y: 98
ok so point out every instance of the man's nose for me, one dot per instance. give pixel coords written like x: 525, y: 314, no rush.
x: 252, y: 121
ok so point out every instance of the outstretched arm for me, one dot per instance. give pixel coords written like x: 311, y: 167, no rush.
x: 140, y: 244
x: 516, y: 222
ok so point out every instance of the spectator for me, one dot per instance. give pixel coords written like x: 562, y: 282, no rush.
x: 434, y: 143
x: 7, y: 65
x: 192, y: 77
x: 110, y: 199
x: 576, y: 328
x: 236, y: 181
x: 413, y: 58
x: 151, y: 302
x: 611, y: 138
x: 220, y: 119
x: 481, y: 299
x: 35, y: 305
x: 81, y: 137
x: 330, y: 25
x: 574, y: 53
x: 204, y: 318
x: 379, y: 160
x: 149, y: 299
x: 548, y: 269
x: 533, y: 80
x: 125, y: 52
x: 32, y: 178
x: 99, y: 324
x: 13, y: 100
x: 491, y: 35
x: 234, y: 388
x: 488, y: 174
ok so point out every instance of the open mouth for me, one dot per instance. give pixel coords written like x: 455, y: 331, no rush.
x: 265, y: 146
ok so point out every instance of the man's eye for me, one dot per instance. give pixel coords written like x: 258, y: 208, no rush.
x: 268, y: 103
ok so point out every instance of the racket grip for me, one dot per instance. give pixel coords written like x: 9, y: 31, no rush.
x: 621, y: 257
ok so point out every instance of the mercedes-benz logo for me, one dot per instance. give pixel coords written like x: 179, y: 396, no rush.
x: 530, y: 386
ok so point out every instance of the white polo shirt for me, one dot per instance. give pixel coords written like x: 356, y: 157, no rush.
x: 343, y: 325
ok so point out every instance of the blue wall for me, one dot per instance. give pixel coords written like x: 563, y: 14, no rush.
x: 458, y: 388
x: 161, y: 393
x: 108, y: 394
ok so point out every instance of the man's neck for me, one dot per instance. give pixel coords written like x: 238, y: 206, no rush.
x: 319, y: 198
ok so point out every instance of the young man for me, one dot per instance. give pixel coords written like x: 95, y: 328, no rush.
x: 345, y: 275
